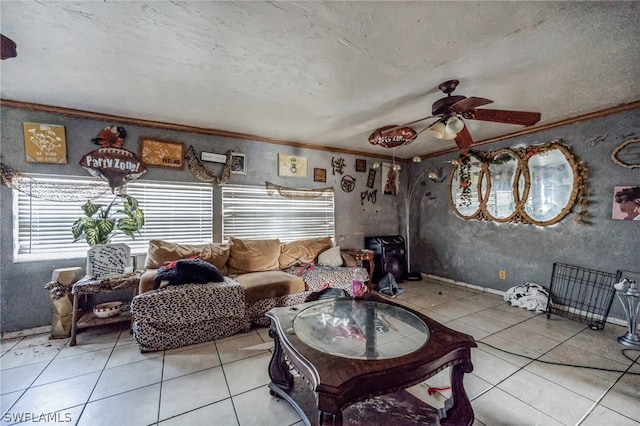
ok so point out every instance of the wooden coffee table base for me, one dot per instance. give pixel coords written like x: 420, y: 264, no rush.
x: 374, y: 401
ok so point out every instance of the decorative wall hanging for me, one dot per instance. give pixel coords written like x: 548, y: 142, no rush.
x: 536, y: 184
x: 44, y: 143
x: 319, y: 175
x: 112, y: 163
x: 296, y: 193
x: 348, y: 183
x: 626, y: 203
x: 49, y: 191
x: 627, y: 154
x: 292, y: 166
x: 205, y: 175
x: 392, y: 136
x: 368, y: 196
x: 361, y: 165
x: 162, y: 153
x: 238, y: 163
x: 371, y: 178
x: 337, y: 165
x: 390, y: 179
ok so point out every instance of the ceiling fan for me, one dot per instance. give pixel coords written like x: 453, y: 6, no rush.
x: 450, y: 112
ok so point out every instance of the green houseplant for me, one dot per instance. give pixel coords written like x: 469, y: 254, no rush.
x: 100, y: 222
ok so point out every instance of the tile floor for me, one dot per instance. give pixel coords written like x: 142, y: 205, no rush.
x: 105, y: 380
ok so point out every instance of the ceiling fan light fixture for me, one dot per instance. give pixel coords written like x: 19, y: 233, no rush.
x: 454, y: 125
x: 438, y: 130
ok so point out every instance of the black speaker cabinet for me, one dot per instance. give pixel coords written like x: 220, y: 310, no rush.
x: 389, y: 256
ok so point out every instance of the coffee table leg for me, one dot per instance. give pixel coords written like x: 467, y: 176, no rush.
x: 457, y: 409
x: 329, y: 419
x: 278, y: 369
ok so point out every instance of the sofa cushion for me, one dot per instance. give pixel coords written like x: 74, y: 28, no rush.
x: 253, y: 255
x: 330, y: 257
x: 262, y: 285
x: 296, y: 253
x: 319, y: 244
x: 160, y: 252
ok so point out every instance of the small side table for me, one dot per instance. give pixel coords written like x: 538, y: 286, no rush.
x: 631, y: 303
x: 89, y: 285
x: 363, y: 255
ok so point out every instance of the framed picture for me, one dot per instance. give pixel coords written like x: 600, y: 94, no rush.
x: 292, y: 166
x: 238, y: 164
x: 162, y: 153
x: 626, y: 203
x: 361, y: 165
x: 44, y: 143
x: 390, y: 179
x: 371, y: 178
x: 319, y: 175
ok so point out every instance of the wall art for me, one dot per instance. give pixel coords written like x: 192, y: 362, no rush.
x: 162, y: 153
x: 361, y: 165
x: 104, y: 260
x: 371, y: 178
x: 292, y: 166
x: 238, y: 163
x: 348, y: 183
x: 337, y: 165
x: 368, y: 196
x: 390, y: 179
x: 319, y: 175
x: 626, y: 203
x: 627, y: 154
x: 44, y: 143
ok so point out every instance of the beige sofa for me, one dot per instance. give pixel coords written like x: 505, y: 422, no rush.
x: 258, y: 276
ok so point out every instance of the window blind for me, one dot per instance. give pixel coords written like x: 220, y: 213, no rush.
x: 252, y: 212
x: 179, y: 212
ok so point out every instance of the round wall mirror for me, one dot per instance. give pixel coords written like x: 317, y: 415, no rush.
x: 463, y: 188
x: 501, y: 205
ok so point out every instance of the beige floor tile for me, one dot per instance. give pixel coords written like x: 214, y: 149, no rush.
x: 247, y: 373
x: 624, y: 397
x: 189, y: 361
x: 136, y: 407
x: 229, y: 348
x: 506, y: 307
x: 602, y: 342
x: 507, y: 350
x: 537, y: 344
x: 258, y: 408
x: 128, y: 353
x: 26, y: 355
x: 475, y: 386
x: 603, y: 416
x: 7, y: 400
x: 128, y: 377
x: 556, y: 328
x: 464, y: 327
x: 7, y: 344
x: 187, y: 393
x: 554, y: 400
x: 220, y: 413
x: 424, y: 311
x: 591, y: 383
x: 20, y: 378
x: 491, y: 320
x: 71, y: 366
x: 498, y: 408
x: 66, y: 417
x: 491, y: 368
x: 57, y: 396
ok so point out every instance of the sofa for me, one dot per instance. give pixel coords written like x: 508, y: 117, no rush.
x: 256, y: 276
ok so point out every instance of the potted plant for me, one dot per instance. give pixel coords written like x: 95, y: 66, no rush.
x: 101, y: 223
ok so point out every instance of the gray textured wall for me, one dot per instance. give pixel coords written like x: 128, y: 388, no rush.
x: 474, y: 251
x: 24, y: 301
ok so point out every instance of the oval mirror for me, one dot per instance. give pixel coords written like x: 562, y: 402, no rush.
x: 501, y: 204
x: 463, y: 185
x: 552, y: 192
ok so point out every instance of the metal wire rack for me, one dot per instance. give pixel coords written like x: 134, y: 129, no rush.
x: 581, y: 294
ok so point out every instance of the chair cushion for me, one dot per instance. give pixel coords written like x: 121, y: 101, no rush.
x: 262, y: 285
x: 161, y: 252
x: 253, y: 255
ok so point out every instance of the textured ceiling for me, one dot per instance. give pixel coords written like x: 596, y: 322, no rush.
x: 325, y: 73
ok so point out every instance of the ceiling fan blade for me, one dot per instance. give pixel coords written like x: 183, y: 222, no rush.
x: 463, y: 139
x: 523, y: 118
x: 469, y: 103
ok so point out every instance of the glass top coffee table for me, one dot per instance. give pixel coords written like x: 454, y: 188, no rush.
x: 356, y: 357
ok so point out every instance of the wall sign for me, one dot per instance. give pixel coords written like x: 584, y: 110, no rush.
x: 162, y: 153
x: 292, y: 166
x: 44, y: 143
x: 105, y: 260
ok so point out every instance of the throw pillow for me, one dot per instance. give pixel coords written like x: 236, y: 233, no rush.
x: 187, y: 271
x: 296, y: 253
x: 253, y: 255
x: 330, y: 257
x: 160, y: 252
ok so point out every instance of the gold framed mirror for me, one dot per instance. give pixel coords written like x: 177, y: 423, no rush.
x: 537, y: 184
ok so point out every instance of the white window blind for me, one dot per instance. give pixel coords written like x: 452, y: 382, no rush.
x: 252, y: 212
x: 179, y: 212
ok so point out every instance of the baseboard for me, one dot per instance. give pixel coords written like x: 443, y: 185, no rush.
x: 616, y: 321
x: 26, y: 332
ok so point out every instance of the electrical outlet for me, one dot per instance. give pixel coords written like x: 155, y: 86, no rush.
x: 502, y: 274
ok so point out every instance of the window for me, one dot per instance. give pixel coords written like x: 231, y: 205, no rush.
x: 180, y: 212
x: 254, y: 212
